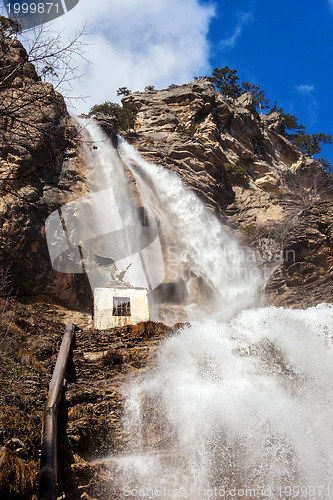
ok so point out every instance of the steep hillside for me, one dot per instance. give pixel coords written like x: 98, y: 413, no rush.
x: 234, y: 159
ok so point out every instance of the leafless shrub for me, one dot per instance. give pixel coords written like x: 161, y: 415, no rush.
x: 309, y: 183
x: 56, y: 61
x: 6, y: 314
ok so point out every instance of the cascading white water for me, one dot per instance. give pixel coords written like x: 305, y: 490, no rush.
x: 244, y: 405
x: 201, y: 243
x: 239, y: 406
x: 107, y: 222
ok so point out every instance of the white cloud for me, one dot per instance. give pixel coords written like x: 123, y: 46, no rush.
x: 305, y: 89
x: 245, y: 18
x: 310, y: 103
x: 135, y: 44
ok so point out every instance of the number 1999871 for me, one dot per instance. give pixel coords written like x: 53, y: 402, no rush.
x: 33, y: 8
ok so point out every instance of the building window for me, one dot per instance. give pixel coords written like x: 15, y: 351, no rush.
x: 121, y: 306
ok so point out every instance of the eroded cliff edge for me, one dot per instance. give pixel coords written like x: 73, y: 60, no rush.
x: 41, y: 169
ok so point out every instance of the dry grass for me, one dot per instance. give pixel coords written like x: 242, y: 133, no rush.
x: 113, y: 357
x: 20, y: 404
x: 17, y: 477
x: 21, y: 425
x: 149, y: 330
x: 27, y: 358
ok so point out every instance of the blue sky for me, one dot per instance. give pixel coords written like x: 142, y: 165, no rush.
x: 284, y: 46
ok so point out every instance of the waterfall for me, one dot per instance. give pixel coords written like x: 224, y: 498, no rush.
x: 236, y: 406
x: 239, y: 404
x: 204, y: 249
x: 107, y: 222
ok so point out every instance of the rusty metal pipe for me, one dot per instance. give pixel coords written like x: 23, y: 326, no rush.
x: 48, y: 463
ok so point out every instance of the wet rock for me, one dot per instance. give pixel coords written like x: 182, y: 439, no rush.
x: 17, y: 446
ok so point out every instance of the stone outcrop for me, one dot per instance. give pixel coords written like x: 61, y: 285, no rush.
x: 41, y: 168
x: 206, y: 139
x: 195, y: 131
x: 305, y: 277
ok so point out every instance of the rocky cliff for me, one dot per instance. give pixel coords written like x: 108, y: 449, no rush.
x: 253, y: 178
x: 194, y: 130
x: 305, y: 277
x: 38, y: 174
x: 234, y: 159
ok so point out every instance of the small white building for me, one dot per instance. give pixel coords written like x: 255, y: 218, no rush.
x: 120, y: 306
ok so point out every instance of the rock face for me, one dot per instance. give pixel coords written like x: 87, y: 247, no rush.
x: 41, y: 169
x: 195, y: 131
x: 248, y: 173
x: 176, y: 128
x: 306, y: 276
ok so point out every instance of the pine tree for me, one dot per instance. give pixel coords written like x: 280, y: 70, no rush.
x: 311, y: 144
x: 123, y: 91
x: 225, y: 80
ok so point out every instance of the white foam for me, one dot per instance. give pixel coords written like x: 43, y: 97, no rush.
x: 248, y: 402
x: 198, y: 237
